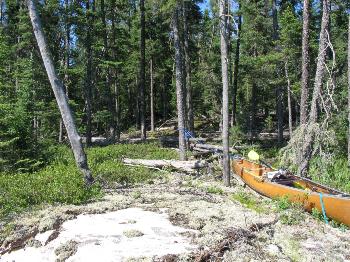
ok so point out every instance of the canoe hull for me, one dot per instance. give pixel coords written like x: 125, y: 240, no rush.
x: 336, y: 207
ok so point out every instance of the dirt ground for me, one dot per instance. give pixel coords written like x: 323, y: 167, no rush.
x: 225, y: 229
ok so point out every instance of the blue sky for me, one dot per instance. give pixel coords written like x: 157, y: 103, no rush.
x: 205, y: 5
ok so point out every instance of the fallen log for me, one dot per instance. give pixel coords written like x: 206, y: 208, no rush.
x: 185, y: 166
x: 233, y: 149
x: 212, y: 148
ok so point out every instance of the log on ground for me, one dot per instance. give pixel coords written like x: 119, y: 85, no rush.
x: 185, y: 166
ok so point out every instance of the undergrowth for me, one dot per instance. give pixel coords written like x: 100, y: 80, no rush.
x: 249, y: 201
x: 335, y: 174
x: 61, y: 182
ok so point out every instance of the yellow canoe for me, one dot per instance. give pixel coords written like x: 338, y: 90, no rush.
x: 273, y: 184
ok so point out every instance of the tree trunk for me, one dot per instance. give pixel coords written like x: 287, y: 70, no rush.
x: 290, y: 119
x: 225, y: 104
x: 179, y: 84
x: 189, y: 105
x: 305, y: 64
x: 115, y: 76
x: 235, y: 73
x: 88, y: 77
x: 252, y: 116
x: 107, y: 83
x: 322, y: 53
x: 152, y: 96
x: 60, y: 95
x: 279, y: 93
x: 1, y: 12
x: 349, y: 93
x: 66, y: 62
x: 142, y: 71
x: 165, y: 99
x: 184, y: 166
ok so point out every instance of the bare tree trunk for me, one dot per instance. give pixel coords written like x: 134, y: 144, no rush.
x: 290, y: 119
x: 1, y: 12
x: 252, y: 113
x: 165, y: 99
x: 179, y: 85
x: 107, y: 83
x: 66, y: 62
x: 349, y: 93
x: 322, y: 54
x: 152, y: 96
x: 279, y: 93
x: 235, y: 73
x: 88, y: 78
x: 225, y: 104
x: 60, y: 95
x: 189, y: 105
x: 142, y: 70
x: 115, y: 76
x: 305, y: 64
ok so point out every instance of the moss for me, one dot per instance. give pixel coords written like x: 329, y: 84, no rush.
x: 66, y: 250
x: 133, y: 233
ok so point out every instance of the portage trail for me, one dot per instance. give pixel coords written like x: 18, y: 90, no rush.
x: 178, y: 218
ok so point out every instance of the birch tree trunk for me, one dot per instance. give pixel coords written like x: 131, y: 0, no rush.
x: 321, y: 60
x: 152, y: 95
x: 235, y: 72
x: 142, y: 71
x: 225, y: 104
x: 60, y: 95
x: 179, y: 85
x: 349, y: 93
x: 305, y: 64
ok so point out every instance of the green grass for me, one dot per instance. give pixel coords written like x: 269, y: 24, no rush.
x: 335, y: 174
x: 249, y: 201
x: 291, y: 213
x: 215, y: 190
x: 61, y: 182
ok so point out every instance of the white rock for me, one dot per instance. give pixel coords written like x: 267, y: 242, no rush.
x: 101, y: 236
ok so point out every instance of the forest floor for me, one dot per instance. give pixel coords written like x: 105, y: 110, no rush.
x: 218, y: 223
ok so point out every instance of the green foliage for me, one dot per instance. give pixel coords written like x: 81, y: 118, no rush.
x: 317, y: 214
x: 283, y: 203
x: 61, y: 182
x: 236, y: 135
x: 57, y: 183
x: 215, y: 190
x: 335, y: 173
x: 249, y: 201
x: 290, y: 213
x: 269, y: 124
x: 106, y: 162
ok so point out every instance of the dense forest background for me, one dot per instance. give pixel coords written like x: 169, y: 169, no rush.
x: 95, y: 45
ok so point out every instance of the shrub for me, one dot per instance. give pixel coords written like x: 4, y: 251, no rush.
x: 61, y: 181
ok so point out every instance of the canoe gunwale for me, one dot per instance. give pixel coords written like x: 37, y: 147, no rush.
x: 331, y: 192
